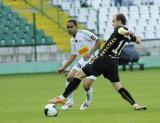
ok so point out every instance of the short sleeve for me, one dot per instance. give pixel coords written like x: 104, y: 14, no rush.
x: 90, y: 36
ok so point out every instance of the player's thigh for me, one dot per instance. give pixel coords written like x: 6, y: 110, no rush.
x: 92, y: 69
x: 81, y: 63
x: 77, y: 67
x: 112, y: 75
x: 80, y: 74
x: 71, y: 74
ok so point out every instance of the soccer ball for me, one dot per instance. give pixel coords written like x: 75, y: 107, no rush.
x: 51, y: 110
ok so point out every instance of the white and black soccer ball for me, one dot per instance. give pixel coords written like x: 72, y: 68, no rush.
x: 51, y: 110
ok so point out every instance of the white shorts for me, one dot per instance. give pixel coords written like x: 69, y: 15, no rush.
x: 81, y: 63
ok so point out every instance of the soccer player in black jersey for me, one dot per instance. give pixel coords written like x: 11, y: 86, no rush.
x: 107, y: 63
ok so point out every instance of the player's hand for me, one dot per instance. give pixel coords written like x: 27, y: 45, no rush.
x: 60, y: 70
x: 134, y: 38
x: 138, y: 40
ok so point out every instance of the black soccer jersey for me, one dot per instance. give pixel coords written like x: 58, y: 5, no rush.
x: 114, y: 45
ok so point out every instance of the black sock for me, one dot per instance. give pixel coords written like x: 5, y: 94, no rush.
x: 71, y: 87
x: 125, y: 94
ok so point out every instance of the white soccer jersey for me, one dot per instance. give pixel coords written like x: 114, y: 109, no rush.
x: 82, y: 43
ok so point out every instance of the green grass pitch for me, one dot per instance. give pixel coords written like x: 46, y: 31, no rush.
x: 23, y: 97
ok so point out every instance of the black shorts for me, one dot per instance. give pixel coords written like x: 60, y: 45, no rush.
x: 105, y: 66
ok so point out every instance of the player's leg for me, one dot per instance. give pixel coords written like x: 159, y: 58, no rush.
x: 70, y: 76
x: 87, y: 82
x: 70, y: 102
x: 69, y: 89
x: 113, y: 75
x: 127, y: 96
x: 74, y: 83
x: 124, y: 93
x: 88, y: 70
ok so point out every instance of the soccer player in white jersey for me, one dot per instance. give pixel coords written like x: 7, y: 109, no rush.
x: 83, y: 44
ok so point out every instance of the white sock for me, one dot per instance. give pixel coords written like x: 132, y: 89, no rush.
x: 89, y: 94
x: 62, y: 97
x: 135, y: 105
x: 70, y: 97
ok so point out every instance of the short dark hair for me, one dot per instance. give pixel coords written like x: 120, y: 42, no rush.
x: 73, y: 21
x: 121, y: 17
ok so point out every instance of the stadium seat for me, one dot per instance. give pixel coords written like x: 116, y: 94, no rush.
x: 66, y: 6
x: 83, y: 15
x: 113, y: 11
x: 154, y: 11
x: 124, y: 9
x: 96, y: 4
x: 133, y: 12
x: 50, y: 40
x: 141, y: 13
x: 73, y: 12
x: 144, y: 12
x: 91, y: 26
x: 57, y: 2
x: 16, y: 29
x: 29, y: 41
x: 2, y: 42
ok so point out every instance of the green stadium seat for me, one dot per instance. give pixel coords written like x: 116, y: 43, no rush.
x: 20, y: 41
x: 29, y: 41
x: 43, y: 40
x: 2, y: 41
x: 28, y: 27
x: 15, y: 15
x: 17, y: 28
x: 39, y: 33
x: 14, y: 30
x: 5, y: 8
x: 1, y: 15
x: 11, y: 41
x: 50, y: 40
x: 15, y: 35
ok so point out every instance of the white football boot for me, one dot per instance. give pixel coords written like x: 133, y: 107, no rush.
x: 67, y: 106
x: 85, y: 105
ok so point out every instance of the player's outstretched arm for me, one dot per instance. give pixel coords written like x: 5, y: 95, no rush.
x: 67, y: 63
x: 125, y: 32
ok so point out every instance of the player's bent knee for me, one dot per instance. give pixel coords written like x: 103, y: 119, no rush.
x: 117, y: 85
x: 86, y: 87
x: 80, y: 74
x: 69, y: 79
x: 87, y: 83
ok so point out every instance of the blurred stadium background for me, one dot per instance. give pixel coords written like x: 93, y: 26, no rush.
x: 33, y: 35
